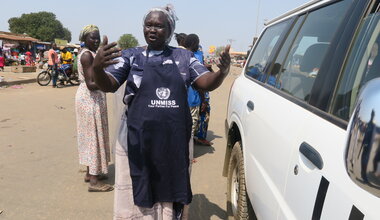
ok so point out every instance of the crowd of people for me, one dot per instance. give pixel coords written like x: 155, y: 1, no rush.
x: 54, y: 57
x: 29, y: 58
x: 166, y: 110
x: 22, y: 58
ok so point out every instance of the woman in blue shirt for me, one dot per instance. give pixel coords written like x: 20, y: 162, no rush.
x: 152, y: 151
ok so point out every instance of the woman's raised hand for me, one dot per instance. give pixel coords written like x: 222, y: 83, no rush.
x: 106, y: 54
x: 225, y: 60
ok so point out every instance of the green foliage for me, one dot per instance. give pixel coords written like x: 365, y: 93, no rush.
x: 41, y: 25
x: 67, y: 34
x: 127, y: 41
x: 219, y: 50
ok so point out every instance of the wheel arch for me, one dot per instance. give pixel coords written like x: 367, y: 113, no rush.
x: 233, y: 135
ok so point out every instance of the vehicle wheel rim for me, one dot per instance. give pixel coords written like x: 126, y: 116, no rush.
x: 44, y: 78
x: 235, y: 190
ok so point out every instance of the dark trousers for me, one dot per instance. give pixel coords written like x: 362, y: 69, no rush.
x: 54, y: 73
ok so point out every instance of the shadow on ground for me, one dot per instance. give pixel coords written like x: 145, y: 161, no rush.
x: 202, y: 208
x: 211, y: 135
x: 111, y: 174
x: 200, y: 150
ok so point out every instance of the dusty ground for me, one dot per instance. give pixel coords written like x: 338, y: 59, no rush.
x: 39, y: 173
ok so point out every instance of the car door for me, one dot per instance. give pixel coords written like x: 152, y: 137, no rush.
x: 317, y: 165
x: 268, y: 128
x: 362, y: 65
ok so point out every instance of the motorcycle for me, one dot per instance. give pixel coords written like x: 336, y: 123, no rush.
x: 65, y: 75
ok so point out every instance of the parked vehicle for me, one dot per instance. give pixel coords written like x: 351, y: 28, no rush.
x: 303, y: 121
x: 65, y: 75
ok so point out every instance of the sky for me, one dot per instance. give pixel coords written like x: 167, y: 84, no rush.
x: 216, y: 22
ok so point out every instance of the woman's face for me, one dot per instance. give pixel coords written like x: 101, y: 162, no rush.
x: 156, y: 30
x: 93, y: 40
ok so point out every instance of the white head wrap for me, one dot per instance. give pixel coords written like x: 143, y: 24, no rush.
x: 168, y: 10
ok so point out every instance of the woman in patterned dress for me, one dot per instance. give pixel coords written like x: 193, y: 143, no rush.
x: 152, y: 155
x: 91, y: 113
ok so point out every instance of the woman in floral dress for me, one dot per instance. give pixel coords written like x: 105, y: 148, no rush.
x: 91, y: 112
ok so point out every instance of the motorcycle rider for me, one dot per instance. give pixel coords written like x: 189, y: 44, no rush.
x: 66, y: 60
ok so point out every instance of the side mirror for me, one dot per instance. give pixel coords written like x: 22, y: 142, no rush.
x: 362, y: 155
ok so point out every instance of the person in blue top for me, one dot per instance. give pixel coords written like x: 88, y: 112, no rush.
x: 191, y: 42
x: 198, y: 100
x: 152, y: 150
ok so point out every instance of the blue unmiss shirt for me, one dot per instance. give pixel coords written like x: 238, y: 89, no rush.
x: 131, y: 65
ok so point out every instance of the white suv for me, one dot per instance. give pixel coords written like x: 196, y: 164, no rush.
x: 303, y: 142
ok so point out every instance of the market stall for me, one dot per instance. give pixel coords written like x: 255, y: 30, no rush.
x: 15, y: 45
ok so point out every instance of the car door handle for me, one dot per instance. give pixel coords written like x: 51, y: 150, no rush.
x: 250, y: 105
x: 311, y: 154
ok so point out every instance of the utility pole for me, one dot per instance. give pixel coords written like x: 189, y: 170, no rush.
x: 257, y: 19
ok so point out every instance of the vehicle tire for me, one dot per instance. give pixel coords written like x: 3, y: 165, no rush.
x: 44, y: 78
x: 74, y: 79
x: 238, y: 204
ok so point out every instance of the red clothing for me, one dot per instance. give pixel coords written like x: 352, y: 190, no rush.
x: 28, y: 59
x: 2, y: 60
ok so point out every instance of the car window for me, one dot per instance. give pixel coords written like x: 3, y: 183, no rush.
x: 263, y: 50
x: 363, y: 64
x: 309, y: 49
x: 277, y: 66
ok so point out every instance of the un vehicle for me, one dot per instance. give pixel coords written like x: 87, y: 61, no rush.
x: 303, y: 121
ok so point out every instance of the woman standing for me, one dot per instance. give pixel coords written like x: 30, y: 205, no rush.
x: 152, y: 152
x: 91, y: 111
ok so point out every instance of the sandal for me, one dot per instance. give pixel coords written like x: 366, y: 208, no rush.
x: 100, y: 187
x: 100, y: 177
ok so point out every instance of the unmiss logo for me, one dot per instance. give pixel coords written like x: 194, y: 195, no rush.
x: 163, y: 93
x: 163, y: 102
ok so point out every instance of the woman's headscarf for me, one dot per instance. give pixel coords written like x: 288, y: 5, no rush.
x: 86, y: 30
x: 168, y: 10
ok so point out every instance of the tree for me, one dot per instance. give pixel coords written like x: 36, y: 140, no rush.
x: 41, y: 25
x: 127, y: 41
x: 67, y: 34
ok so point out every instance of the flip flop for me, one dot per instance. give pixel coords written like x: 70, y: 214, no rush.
x: 100, y: 187
x: 100, y: 177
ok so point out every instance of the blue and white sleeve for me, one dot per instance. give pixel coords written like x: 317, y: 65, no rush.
x: 120, y: 70
x: 197, y: 69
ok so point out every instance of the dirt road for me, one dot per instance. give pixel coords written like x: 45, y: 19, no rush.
x: 40, y: 177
